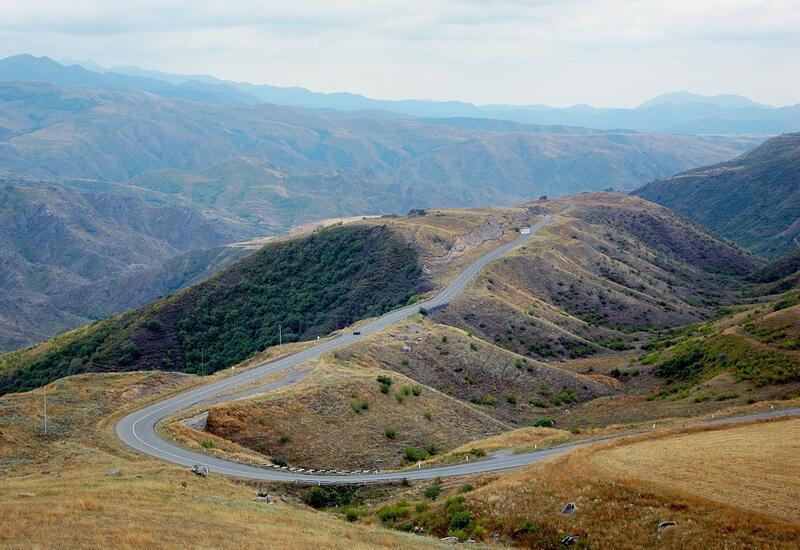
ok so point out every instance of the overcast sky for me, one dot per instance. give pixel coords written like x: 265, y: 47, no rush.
x: 604, y: 52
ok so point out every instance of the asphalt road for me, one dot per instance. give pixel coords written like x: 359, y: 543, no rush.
x: 138, y: 428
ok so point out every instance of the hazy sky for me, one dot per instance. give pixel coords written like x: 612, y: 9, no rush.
x: 604, y: 52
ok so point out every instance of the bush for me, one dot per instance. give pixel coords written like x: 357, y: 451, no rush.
x: 416, y: 390
x: 473, y: 346
x: 208, y: 444
x: 390, y: 433
x: 412, y: 454
x: 460, y: 519
x: 460, y: 534
x: 351, y: 515
x: 278, y: 461
x: 284, y: 439
x: 466, y: 488
x: 393, y: 512
x: 428, y: 415
x: 529, y: 527
x: 404, y: 361
x: 384, y: 388
x: 433, y: 491
x: 511, y: 398
x: 359, y: 406
x: 567, y: 395
x: 421, y: 507
x: 431, y: 449
x: 400, y: 396
x: 319, y: 497
x: 545, y: 422
x: 538, y: 403
x: 384, y: 380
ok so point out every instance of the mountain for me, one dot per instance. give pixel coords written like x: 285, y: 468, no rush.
x: 27, y: 68
x: 64, y: 250
x: 296, y: 165
x: 676, y: 112
x: 684, y: 98
x: 753, y: 199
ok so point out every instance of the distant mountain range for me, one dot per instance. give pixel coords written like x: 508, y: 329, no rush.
x: 679, y: 112
x: 753, y: 199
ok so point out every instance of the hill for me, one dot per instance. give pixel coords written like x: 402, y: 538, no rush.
x: 753, y: 199
x: 61, y: 247
x: 292, y: 291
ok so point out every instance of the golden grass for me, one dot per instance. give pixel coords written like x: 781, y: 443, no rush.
x: 149, y: 504
x: 754, y: 467
x: 312, y: 424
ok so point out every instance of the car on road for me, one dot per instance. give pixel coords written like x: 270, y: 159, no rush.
x: 356, y: 333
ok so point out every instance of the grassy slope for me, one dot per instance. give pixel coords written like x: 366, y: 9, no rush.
x: 73, y: 503
x: 752, y: 199
x: 310, y: 286
x: 760, y: 346
x: 607, y: 272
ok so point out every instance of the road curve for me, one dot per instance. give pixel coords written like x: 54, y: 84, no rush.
x: 137, y: 429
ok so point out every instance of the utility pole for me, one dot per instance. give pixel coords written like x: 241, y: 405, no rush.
x: 44, y: 398
x: 280, y: 335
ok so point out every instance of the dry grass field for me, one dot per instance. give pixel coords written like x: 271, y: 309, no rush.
x: 78, y: 488
x: 754, y: 467
x: 624, y: 490
x: 339, y: 418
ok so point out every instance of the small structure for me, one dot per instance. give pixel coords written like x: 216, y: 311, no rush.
x: 525, y: 231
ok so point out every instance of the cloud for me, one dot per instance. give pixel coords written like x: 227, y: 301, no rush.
x: 606, y: 52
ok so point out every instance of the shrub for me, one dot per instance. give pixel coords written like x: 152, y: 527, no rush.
x: 284, y: 439
x: 567, y: 395
x: 412, y: 454
x: 416, y: 390
x: 351, y: 515
x: 444, y: 339
x: 393, y: 512
x: 359, y: 406
x: 544, y: 390
x: 529, y: 527
x: 384, y: 379
x: 208, y: 444
x: 390, y: 433
x: 538, y: 403
x: 318, y: 497
x: 400, y: 396
x: 466, y: 488
x: 404, y: 361
x: 575, y: 430
x: 545, y: 422
x: 473, y: 346
x: 428, y: 415
x: 431, y: 449
x: 511, y: 398
x: 432, y: 492
x: 406, y: 390
x: 278, y: 461
x: 460, y: 519
x: 460, y: 534
x: 384, y: 388
x: 421, y: 507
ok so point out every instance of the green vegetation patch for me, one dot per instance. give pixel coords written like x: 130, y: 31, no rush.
x: 694, y: 361
x: 307, y: 287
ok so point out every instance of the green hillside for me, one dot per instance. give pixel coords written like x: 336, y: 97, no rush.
x: 753, y: 199
x: 310, y: 286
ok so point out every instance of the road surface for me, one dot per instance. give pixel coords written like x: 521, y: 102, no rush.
x: 138, y: 428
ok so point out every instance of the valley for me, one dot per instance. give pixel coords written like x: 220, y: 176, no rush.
x: 256, y: 316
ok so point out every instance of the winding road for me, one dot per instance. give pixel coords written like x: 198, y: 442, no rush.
x: 138, y: 431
